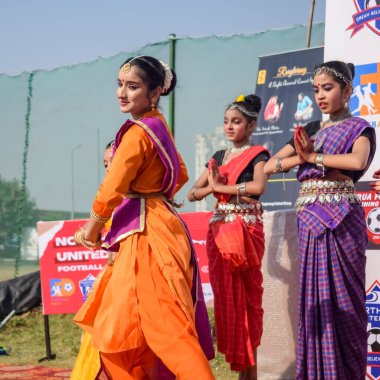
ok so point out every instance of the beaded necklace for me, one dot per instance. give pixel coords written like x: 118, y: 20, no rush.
x: 241, y: 149
x: 234, y: 150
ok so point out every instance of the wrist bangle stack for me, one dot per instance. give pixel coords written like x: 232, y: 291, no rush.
x: 97, y: 218
x: 241, y: 188
x: 193, y: 194
x: 319, y: 162
x: 278, y: 168
x: 319, y: 159
x: 80, y: 239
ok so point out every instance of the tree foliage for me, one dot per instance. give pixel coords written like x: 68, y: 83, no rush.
x: 10, y: 197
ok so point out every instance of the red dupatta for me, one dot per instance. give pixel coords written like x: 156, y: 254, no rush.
x: 232, y: 170
x: 234, y: 239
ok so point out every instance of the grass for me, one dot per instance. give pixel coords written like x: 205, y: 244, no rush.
x: 23, y: 337
x: 7, y: 268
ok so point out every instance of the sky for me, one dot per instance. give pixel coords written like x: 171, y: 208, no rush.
x: 45, y: 34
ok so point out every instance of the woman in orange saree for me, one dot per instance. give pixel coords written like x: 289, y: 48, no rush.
x: 235, y: 240
x: 147, y: 310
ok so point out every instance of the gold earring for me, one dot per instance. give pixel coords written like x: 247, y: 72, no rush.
x: 153, y: 106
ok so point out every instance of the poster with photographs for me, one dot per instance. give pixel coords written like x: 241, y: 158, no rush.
x: 284, y: 83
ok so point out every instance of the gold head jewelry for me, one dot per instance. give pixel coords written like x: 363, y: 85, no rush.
x: 127, y: 67
x: 330, y: 70
x: 240, y: 98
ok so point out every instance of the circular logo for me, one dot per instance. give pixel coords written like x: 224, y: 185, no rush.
x: 373, y: 220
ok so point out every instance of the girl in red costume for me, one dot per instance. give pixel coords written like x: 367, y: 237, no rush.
x: 235, y: 241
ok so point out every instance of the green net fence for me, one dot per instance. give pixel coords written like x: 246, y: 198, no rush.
x: 74, y: 114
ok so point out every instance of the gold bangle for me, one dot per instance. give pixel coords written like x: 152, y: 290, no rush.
x: 193, y: 194
x: 80, y: 239
x: 97, y: 218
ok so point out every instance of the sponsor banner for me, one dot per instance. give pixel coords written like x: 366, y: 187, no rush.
x: 367, y: 15
x: 284, y: 84
x: 373, y: 310
x: 352, y: 34
x: 69, y: 270
x: 371, y: 204
x: 365, y: 102
x: 361, y: 46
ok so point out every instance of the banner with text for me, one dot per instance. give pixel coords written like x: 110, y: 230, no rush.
x: 284, y: 84
x: 69, y: 270
x: 352, y: 34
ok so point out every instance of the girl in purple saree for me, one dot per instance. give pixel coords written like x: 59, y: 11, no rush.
x: 332, y: 156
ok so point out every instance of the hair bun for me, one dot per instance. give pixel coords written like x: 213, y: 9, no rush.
x: 173, y: 82
x: 255, y: 102
x: 351, y: 66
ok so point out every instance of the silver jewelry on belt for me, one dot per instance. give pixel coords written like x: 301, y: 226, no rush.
x: 251, y: 213
x: 326, y: 192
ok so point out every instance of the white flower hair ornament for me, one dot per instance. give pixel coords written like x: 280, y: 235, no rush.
x: 168, y: 77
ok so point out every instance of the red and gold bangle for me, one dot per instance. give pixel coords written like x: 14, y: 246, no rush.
x: 97, y: 218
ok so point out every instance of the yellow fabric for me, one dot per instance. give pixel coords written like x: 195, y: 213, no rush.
x: 87, y: 364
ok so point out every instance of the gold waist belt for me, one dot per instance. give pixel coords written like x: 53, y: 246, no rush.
x: 326, y: 192
x: 228, y: 212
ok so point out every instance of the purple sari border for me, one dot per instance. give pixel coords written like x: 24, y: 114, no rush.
x: 202, y: 323
x: 129, y: 216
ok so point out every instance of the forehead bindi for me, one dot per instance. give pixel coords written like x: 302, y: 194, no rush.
x: 131, y: 75
x: 323, y: 79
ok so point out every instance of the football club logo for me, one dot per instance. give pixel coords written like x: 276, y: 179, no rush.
x: 373, y: 221
x: 367, y: 15
x: 61, y: 287
x: 373, y: 310
x: 86, y: 285
x: 365, y: 99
